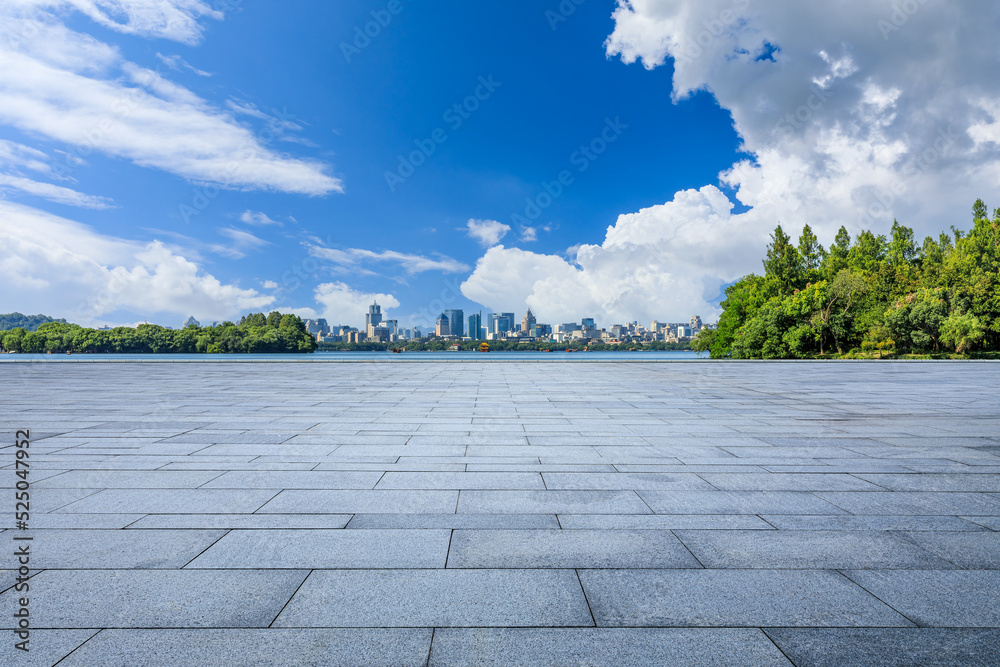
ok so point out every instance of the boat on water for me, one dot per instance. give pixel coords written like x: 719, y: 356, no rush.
x: 484, y: 347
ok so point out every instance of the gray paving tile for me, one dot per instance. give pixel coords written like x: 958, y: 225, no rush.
x: 294, y: 480
x: 310, y: 549
x: 241, y: 521
x: 118, y: 549
x: 804, y: 549
x: 916, y: 503
x: 786, y: 482
x: 723, y: 598
x: 276, y: 646
x: 461, y: 480
x: 990, y: 522
x: 972, y: 551
x: 538, y: 647
x: 439, y: 598
x: 172, y: 501
x: 82, y: 521
x: 157, y: 599
x: 737, y: 502
x: 852, y: 522
x: 551, y: 502
x: 45, y: 647
x: 127, y: 479
x: 568, y: 549
x: 951, y: 598
x: 456, y: 521
x: 936, y: 482
x: 663, y: 522
x: 888, y: 647
x: 624, y: 481
x: 364, y: 502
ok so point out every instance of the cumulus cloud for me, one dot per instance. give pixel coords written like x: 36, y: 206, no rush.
x: 344, y: 305
x: 69, y: 87
x: 853, y: 115
x: 487, y: 232
x: 411, y: 264
x: 65, y: 268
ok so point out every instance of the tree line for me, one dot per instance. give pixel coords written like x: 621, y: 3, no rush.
x: 871, y: 296
x: 28, y: 322
x: 255, y: 333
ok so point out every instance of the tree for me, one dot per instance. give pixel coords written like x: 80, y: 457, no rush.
x: 811, y: 251
x: 784, y: 265
x: 962, y: 332
x: 836, y: 260
x: 704, y: 340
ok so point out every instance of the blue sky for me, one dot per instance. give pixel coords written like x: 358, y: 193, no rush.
x: 244, y: 163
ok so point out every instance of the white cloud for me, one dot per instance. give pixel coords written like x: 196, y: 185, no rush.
x: 179, y: 64
x: 242, y: 241
x: 257, y: 219
x: 846, y: 125
x: 344, y: 305
x: 170, y: 19
x: 55, y: 193
x: 69, y: 87
x: 15, y: 159
x: 354, y: 257
x: 529, y: 234
x: 66, y: 269
x: 487, y: 232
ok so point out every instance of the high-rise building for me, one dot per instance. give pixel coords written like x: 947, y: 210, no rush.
x: 696, y: 323
x: 588, y: 323
x: 373, y: 318
x: 456, y: 318
x: 501, y: 323
x: 476, y: 326
x: 443, y: 326
x: 191, y: 322
x: 527, y: 322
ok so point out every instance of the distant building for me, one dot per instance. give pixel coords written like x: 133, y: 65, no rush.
x: 696, y: 323
x: 456, y: 321
x: 588, y: 323
x: 476, y: 327
x: 684, y: 331
x: 443, y: 326
x: 373, y: 318
x: 317, y: 327
x: 191, y: 322
x: 527, y: 323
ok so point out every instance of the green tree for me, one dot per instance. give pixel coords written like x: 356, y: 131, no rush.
x: 962, y: 332
x: 784, y: 264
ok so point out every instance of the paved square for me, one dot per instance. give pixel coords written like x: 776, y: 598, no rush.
x: 427, y: 513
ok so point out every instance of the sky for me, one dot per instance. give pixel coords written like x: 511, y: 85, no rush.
x: 584, y: 158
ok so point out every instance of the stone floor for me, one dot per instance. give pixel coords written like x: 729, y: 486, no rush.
x: 507, y: 513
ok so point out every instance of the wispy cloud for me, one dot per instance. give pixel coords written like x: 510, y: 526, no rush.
x: 179, y: 64
x: 69, y: 87
x: 16, y: 159
x: 412, y: 264
x: 257, y: 219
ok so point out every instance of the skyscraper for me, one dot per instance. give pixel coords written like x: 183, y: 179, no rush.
x: 589, y: 323
x: 527, y: 323
x: 373, y: 318
x: 476, y: 326
x: 443, y: 326
x: 456, y: 318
